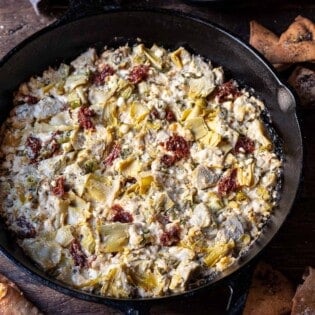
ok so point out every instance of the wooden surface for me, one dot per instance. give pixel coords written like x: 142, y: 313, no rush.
x: 294, y: 246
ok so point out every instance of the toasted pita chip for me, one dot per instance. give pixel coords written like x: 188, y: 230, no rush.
x: 262, y: 39
x: 280, y: 53
x: 303, y: 81
x: 12, y: 301
x: 302, y: 29
x: 304, y: 298
x: 270, y: 293
x: 293, y: 52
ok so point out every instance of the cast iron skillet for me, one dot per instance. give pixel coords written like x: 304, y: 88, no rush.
x: 74, y: 34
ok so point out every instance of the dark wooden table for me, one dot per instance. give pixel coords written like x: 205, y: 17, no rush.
x: 294, y: 246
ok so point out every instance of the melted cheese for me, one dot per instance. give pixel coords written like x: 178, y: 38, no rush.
x: 128, y: 176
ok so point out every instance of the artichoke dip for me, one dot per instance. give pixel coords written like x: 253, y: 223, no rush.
x: 136, y: 173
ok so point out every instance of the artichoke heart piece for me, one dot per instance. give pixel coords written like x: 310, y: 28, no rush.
x: 256, y: 131
x: 146, y: 280
x: 245, y: 175
x: 89, y: 283
x: 241, y: 196
x: 74, y: 99
x: 185, y: 114
x: 215, y: 124
x: 201, y: 102
x: 153, y: 58
x: 145, y: 184
x: 116, y: 283
x: 129, y: 167
x: 80, y: 183
x: 239, y: 111
x: 58, y: 123
x: 138, y: 112
x: 196, y: 112
x: 64, y: 235
x: 183, y: 273
x: 263, y: 193
x: 197, y: 126
x: 211, y: 139
x: 110, y: 113
x: 142, y: 186
x: 101, y: 189
x: 78, y: 210
x: 153, y: 125
x: 87, y: 241
x: 108, y: 280
x: 214, y: 202
x: 75, y: 80
x: 98, y: 97
x: 164, y: 202
x: 125, y: 89
x: 218, y: 252
x: 114, y: 237
x: 176, y: 57
x: 44, y: 252
x: 201, y: 87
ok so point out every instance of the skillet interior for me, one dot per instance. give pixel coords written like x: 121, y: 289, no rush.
x: 63, y: 43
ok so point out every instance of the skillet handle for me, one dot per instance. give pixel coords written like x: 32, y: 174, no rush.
x: 239, y: 285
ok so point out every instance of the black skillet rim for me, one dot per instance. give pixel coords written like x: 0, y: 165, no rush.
x: 234, y: 269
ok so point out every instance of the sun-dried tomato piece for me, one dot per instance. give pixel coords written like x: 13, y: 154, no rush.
x: 33, y: 147
x: 25, y: 228
x: 138, y: 74
x: 244, y: 145
x: 169, y: 115
x: 84, y: 118
x: 113, y: 155
x: 170, y: 237
x: 227, y: 183
x: 30, y: 99
x: 178, y: 145
x: 120, y: 215
x: 100, y: 76
x: 226, y: 90
x: 79, y: 258
x: 59, y: 188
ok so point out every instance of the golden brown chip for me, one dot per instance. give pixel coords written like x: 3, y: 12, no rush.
x: 12, y: 301
x: 304, y: 298
x: 303, y: 81
x: 288, y: 50
x: 302, y: 29
x: 262, y: 39
x: 270, y: 293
